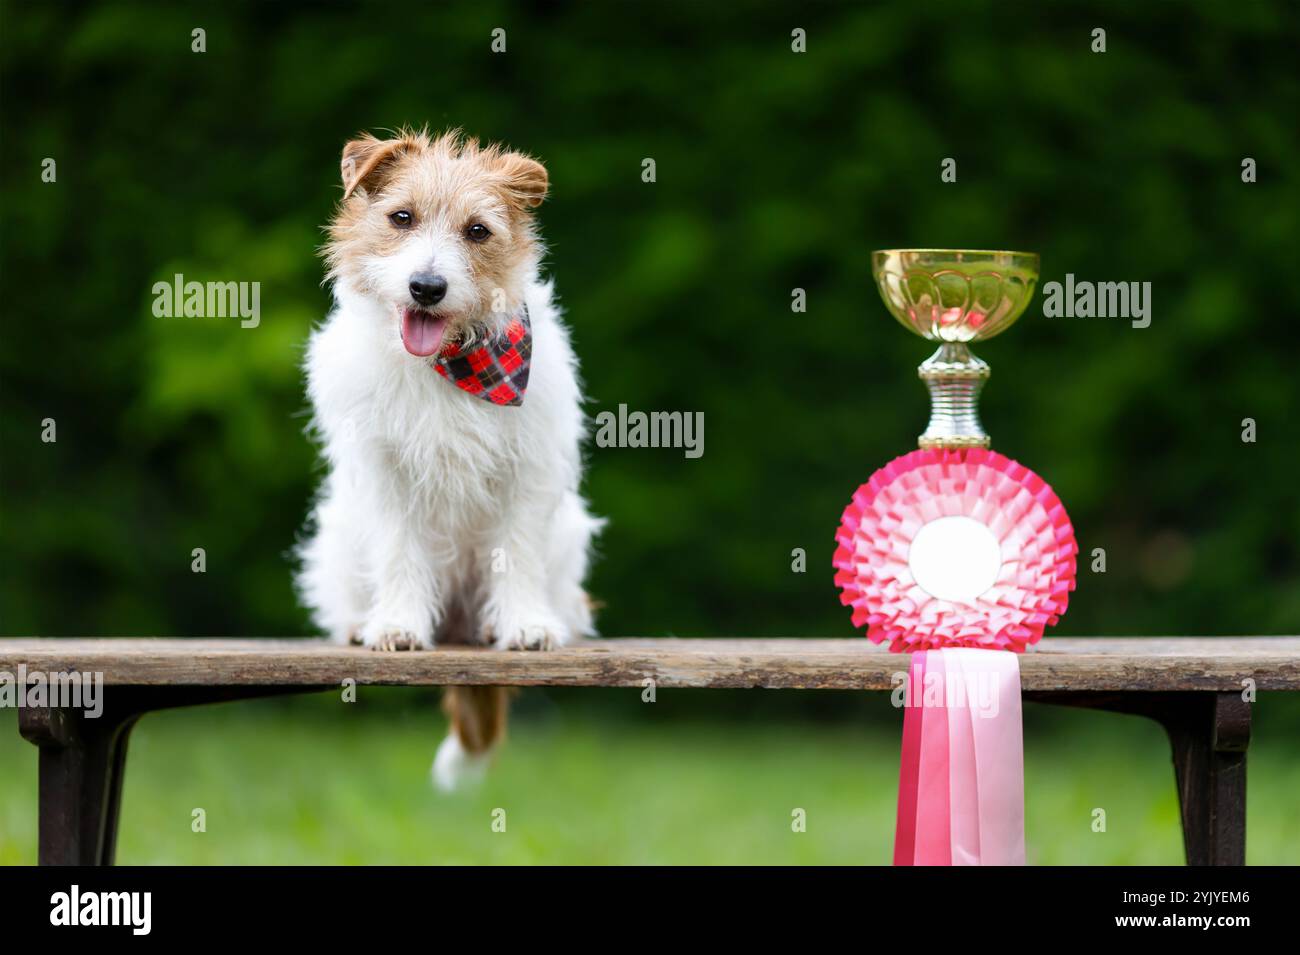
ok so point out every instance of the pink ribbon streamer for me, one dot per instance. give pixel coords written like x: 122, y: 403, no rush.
x: 905, y: 826
x: 933, y: 843
x: 963, y: 776
x: 961, y: 787
x: 1000, y: 764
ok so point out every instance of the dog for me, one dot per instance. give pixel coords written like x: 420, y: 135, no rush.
x: 446, y: 399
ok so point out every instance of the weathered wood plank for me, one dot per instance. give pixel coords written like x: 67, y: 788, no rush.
x: 1058, y: 664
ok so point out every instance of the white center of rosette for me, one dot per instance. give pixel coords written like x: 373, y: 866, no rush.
x: 955, y: 558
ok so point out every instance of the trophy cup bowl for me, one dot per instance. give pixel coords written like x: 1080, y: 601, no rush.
x: 955, y: 297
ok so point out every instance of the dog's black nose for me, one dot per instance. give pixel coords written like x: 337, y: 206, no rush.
x: 427, y: 288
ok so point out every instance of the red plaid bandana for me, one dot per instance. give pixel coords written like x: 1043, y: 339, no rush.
x: 496, y: 370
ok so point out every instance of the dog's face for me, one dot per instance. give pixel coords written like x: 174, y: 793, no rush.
x: 439, y: 231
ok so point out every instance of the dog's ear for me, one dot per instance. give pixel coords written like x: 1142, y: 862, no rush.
x: 365, y: 161
x: 525, y: 178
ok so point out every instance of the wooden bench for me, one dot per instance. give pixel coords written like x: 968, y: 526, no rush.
x: 1195, y: 688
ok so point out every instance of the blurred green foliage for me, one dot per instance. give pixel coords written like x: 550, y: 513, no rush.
x: 775, y: 171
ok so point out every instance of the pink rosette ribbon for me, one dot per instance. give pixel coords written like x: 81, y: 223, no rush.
x: 961, y: 784
x: 1027, y: 518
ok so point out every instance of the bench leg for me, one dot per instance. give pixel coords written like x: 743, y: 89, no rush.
x: 82, y: 762
x: 1208, y: 734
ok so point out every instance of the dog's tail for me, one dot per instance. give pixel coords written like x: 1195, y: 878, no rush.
x: 478, y: 724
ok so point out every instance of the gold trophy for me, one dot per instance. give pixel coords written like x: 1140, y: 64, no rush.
x: 955, y: 297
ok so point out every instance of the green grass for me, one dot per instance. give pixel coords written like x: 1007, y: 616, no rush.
x: 311, y: 781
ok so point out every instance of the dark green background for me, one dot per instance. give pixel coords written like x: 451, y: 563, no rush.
x: 776, y: 170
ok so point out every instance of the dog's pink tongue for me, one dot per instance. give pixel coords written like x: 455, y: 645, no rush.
x: 421, y: 332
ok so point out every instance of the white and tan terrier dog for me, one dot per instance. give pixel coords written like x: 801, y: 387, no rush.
x: 447, y: 402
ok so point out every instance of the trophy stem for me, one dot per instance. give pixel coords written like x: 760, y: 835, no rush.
x: 955, y: 378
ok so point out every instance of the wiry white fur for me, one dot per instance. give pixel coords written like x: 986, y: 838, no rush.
x: 454, y: 768
x: 444, y: 517
x: 436, y: 498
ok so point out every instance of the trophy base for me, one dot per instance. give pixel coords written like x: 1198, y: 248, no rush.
x: 954, y: 377
x: 953, y: 443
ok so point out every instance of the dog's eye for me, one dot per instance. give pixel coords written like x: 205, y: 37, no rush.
x: 401, y: 219
x: 478, y: 233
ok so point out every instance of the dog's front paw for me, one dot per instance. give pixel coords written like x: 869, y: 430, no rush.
x: 535, y: 632
x: 378, y: 635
